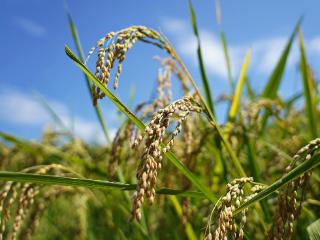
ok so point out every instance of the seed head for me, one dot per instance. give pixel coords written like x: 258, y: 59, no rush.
x: 226, y: 222
x: 116, y: 46
x: 152, y: 155
x: 289, y: 203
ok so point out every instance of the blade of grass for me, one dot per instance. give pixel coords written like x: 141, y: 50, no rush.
x: 84, y: 182
x: 288, y: 103
x: 220, y: 169
x: 97, y: 108
x: 218, y: 11
x: 255, y: 172
x: 234, y: 108
x: 287, y: 178
x: 227, y: 59
x: 314, y: 230
x: 272, y: 86
x: 204, y: 77
x: 142, y: 224
x: 53, y: 114
x: 274, y: 148
x: 237, y: 94
x: 251, y: 94
x: 39, y: 149
x: 182, y: 168
x: 309, y: 90
x: 188, y: 227
x: 253, y: 164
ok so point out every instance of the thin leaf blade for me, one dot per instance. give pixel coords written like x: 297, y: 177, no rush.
x: 204, y: 77
x: 271, y: 89
x: 308, y: 89
x: 314, y: 230
x: 227, y: 59
x: 85, y: 182
x: 237, y: 94
x: 97, y: 108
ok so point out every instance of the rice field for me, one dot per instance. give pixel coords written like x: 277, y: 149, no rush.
x: 172, y: 171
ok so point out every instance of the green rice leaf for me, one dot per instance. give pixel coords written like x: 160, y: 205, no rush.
x: 237, y: 94
x: 188, y: 227
x: 204, y: 77
x: 309, y: 90
x: 227, y: 59
x: 85, y: 182
x: 255, y: 171
x: 55, y: 117
x: 314, y: 230
x: 97, y: 108
x: 45, y: 151
x: 272, y: 86
x: 271, y: 89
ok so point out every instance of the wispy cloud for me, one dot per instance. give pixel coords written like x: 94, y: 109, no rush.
x: 212, y: 52
x: 31, y: 27
x: 173, y: 25
x: 314, y: 44
x: 25, y: 110
x: 20, y: 108
x: 265, y: 52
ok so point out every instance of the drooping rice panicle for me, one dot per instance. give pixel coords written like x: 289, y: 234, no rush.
x: 151, y: 161
x: 226, y: 225
x: 116, y: 46
x: 290, y: 199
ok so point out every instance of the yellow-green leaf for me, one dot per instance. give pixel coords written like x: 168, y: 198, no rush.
x: 308, y: 89
x: 237, y: 94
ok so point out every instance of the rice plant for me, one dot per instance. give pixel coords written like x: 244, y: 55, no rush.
x: 171, y: 171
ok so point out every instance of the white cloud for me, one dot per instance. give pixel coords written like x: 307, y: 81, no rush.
x: 88, y: 129
x: 265, y: 52
x: 25, y: 110
x: 19, y: 108
x: 31, y: 27
x: 173, y: 25
x: 314, y: 44
x: 212, y: 52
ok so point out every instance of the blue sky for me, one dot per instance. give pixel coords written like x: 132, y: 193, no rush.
x: 33, y: 34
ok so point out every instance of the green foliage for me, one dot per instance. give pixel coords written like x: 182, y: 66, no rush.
x: 97, y: 108
x: 309, y: 89
x: 205, y: 81
x: 237, y: 94
x: 314, y: 230
x: 272, y: 86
